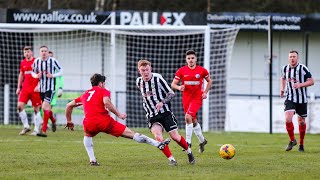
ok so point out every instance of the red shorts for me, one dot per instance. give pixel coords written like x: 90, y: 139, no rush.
x: 106, y: 124
x: 27, y: 94
x: 192, y: 108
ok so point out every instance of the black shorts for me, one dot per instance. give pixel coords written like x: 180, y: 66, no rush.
x: 167, y: 120
x: 47, y: 96
x: 300, y: 109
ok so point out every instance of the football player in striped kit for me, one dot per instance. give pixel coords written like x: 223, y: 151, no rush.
x: 294, y: 81
x: 46, y: 68
x: 156, y: 95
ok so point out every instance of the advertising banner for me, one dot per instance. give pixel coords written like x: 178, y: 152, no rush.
x: 108, y: 18
x: 256, y: 21
x: 245, y: 21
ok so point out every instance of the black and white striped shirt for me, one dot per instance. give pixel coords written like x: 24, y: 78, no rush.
x: 50, y: 65
x: 298, y: 74
x: 153, y: 92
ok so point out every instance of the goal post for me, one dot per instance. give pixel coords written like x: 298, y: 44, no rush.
x: 114, y: 51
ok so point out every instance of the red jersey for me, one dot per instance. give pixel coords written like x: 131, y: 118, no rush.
x: 92, y: 101
x: 26, y: 68
x: 192, y: 79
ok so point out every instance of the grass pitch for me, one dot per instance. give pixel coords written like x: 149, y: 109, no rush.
x: 62, y: 156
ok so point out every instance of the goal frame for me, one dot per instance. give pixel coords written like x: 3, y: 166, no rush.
x: 54, y: 27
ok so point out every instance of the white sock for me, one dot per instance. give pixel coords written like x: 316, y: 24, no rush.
x: 189, y: 132
x: 198, y: 132
x: 145, y: 139
x: 171, y: 158
x: 37, y: 120
x: 24, y: 119
x: 88, y: 144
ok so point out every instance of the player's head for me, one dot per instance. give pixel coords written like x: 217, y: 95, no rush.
x: 293, y: 58
x: 191, y: 58
x: 27, y: 52
x: 144, y: 68
x: 98, y: 80
x: 44, y: 52
x: 50, y: 54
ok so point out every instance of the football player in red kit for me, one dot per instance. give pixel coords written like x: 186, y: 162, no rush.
x: 96, y: 103
x: 26, y: 91
x: 191, y: 77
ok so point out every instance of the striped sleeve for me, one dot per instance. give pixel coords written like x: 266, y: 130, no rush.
x: 34, y: 66
x: 138, y: 82
x: 164, y: 84
x: 306, y: 73
x: 283, y: 71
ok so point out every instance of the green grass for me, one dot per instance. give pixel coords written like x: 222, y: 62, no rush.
x: 62, y: 156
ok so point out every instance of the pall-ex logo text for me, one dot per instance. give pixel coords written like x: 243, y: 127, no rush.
x: 152, y: 18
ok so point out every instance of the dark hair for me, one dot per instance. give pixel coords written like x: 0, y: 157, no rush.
x: 294, y: 51
x: 43, y: 46
x: 189, y: 52
x: 27, y: 48
x: 97, y: 78
x: 50, y: 52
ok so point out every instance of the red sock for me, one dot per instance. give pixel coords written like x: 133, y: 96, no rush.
x: 302, y: 131
x: 166, y: 151
x: 46, y: 115
x: 183, y: 143
x: 53, y: 120
x: 290, y: 130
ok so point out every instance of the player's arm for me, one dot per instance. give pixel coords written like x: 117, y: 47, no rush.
x: 69, y: 109
x: 309, y: 82
x: 175, y: 85
x: 282, y: 86
x: 58, y: 70
x: 20, y: 79
x: 208, y: 87
x: 169, y: 93
x: 108, y: 105
x: 307, y: 77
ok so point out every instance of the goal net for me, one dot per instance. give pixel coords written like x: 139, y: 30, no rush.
x: 114, y: 51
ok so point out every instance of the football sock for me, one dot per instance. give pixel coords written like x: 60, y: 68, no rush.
x: 197, y: 130
x: 171, y: 158
x: 189, y: 128
x: 184, y: 145
x: 145, y: 139
x: 37, y: 121
x: 166, y: 151
x: 290, y: 130
x: 302, y: 131
x: 24, y: 119
x: 53, y: 120
x: 46, y: 115
x: 88, y: 144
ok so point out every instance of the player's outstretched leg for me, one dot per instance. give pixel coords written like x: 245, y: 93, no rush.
x: 145, y: 139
